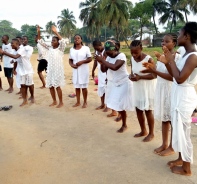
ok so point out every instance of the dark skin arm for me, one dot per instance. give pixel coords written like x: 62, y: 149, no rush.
x: 136, y: 77
x: 94, y: 68
x: 113, y: 67
x: 14, y: 68
x: 88, y: 60
x: 72, y: 65
x: 10, y: 55
x: 180, y: 76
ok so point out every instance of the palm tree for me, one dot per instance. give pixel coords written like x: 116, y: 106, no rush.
x: 172, y: 12
x: 116, y: 14
x: 90, y: 16
x: 67, y: 22
x: 48, y: 27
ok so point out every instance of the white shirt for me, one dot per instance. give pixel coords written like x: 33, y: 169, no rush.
x: 23, y: 62
x: 29, y: 50
x: 182, y: 51
x: 6, y: 59
x: 42, y: 52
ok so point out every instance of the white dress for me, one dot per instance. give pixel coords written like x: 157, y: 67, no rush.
x: 55, y: 69
x: 102, y: 76
x: 162, y: 105
x: 144, y: 90
x: 119, y: 87
x: 81, y: 74
x: 183, y: 103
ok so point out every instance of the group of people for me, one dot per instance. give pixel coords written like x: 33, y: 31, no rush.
x: 163, y: 91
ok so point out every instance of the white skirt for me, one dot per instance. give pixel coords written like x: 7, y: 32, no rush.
x: 18, y: 81
x: 162, y: 105
x: 144, y: 91
x: 183, y: 102
x: 120, y: 97
x: 101, y: 91
x: 81, y: 85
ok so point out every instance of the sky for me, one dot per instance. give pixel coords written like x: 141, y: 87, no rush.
x: 40, y: 12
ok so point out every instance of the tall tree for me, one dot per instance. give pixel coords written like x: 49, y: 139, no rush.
x: 171, y: 13
x: 116, y: 14
x: 48, y: 27
x: 90, y: 16
x: 66, y: 23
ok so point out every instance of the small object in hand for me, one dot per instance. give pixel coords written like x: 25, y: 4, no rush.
x: 96, y: 80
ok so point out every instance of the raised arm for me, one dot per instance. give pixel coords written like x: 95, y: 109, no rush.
x: 54, y: 29
x: 38, y: 32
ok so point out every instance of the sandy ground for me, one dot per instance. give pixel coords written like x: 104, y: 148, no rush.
x: 45, y: 145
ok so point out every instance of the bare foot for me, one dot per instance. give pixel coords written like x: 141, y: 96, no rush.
x: 141, y: 134
x: 24, y: 103
x: 180, y: 170
x: 118, y: 119
x: 167, y: 152
x: 53, y: 104
x: 112, y: 114
x: 18, y: 93
x: 100, y: 107
x: 106, y: 109
x: 122, y: 129
x: 11, y: 90
x: 1, y: 89
x: 160, y: 149
x: 148, y: 138
x: 42, y: 87
x: 60, y: 105
x: 173, y: 163
x: 20, y: 97
x: 84, y: 105
x: 76, y: 105
x: 7, y: 89
x: 32, y: 100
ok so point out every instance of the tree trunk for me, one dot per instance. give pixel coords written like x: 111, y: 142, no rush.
x: 155, y: 24
x: 186, y: 16
x: 171, y: 27
x: 141, y: 30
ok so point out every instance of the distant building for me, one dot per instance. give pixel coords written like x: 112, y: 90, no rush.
x: 48, y: 37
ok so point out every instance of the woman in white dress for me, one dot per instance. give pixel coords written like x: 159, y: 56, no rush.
x: 79, y: 58
x: 144, y: 90
x: 162, y: 111
x: 184, y: 97
x: 102, y: 76
x: 120, y: 93
x: 55, y: 70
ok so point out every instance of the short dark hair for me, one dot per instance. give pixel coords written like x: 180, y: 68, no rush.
x: 19, y: 37
x: 136, y: 43
x: 16, y: 40
x: 190, y: 28
x: 96, y: 43
x: 81, y: 39
x: 25, y: 37
x: 6, y: 36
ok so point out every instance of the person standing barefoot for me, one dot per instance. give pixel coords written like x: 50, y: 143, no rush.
x: 144, y: 89
x: 55, y: 71
x: 79, y: 58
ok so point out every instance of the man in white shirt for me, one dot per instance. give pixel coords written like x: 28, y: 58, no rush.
x: 29, y: 52
x: 42, y: 65
x: 8, y: 66
x: 25, y: 68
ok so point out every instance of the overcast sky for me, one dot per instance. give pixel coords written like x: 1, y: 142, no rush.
x: 40, y: 12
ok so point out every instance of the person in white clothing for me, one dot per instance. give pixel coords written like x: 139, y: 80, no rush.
x: 25, y: 68
x: 162, y: 111
x: 79, y: 58
x: 144, y: 89
x: 55, y: 71
x: 183, y: 98
x: 42, y: 62
x: 102, y: 76
x: 29, y: 52
x: 8, y: 66
x: 120, y: 91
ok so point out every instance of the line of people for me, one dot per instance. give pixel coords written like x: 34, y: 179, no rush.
x: 172, y: 96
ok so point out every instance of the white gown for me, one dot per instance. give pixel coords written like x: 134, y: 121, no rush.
x: 162, y: 105
x: 55, y: 69
x: 183, y: 102
x: 144, y: 90
x: 102, y: 76
x: 119, y: 87
x: 81, y: 74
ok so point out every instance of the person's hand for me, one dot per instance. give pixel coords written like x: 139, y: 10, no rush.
x: 1, y: 51
x: 98, y: 58
x: 11, y: 62
x: 167, y: 55
x: 14, y: 72
x: 157, y: 54
x: 74, y: 66
x: 54, y: 29
x: 134, y: 77
x: 38, y: 28
x: 79, y: 63
x: 150, y: 67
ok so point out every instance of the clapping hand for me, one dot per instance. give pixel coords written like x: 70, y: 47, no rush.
x: 134, y: 77
x: 168, y: 56
x: 98, y: 58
